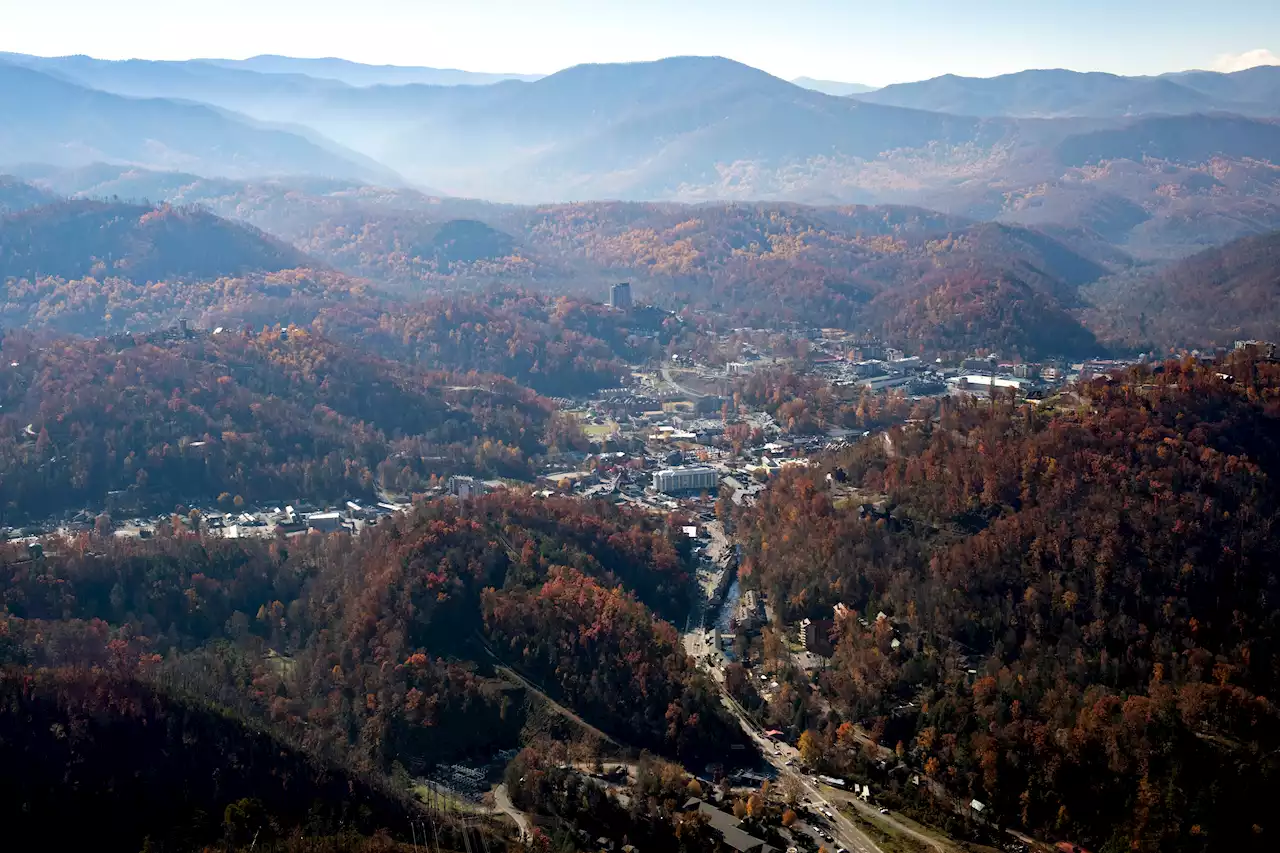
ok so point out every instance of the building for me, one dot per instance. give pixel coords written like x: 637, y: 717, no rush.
x: 815, y: 635
x: 976, y: 363
x: 979, y: 382
x: 620, y: 296
x: 466, y: 487
x: 750, y: 611
x: 708, y: 405
x: 1262, y: 349
x: 729, y: 828
x: 325, y: 522
x: 669, y: 481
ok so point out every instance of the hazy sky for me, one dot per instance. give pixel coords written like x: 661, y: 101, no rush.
x: 850, y: 40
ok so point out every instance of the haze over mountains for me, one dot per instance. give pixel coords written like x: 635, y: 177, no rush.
x: 832, y: 87
x: 1150, y: 167
x: 358, y: 74
x: 50, y: 119
x: 1092, y: 149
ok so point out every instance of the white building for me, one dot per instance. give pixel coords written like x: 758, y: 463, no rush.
x: 690, y: 479
x: 979, y: 382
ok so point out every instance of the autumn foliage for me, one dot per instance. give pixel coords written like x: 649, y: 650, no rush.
x: 1101, y: 564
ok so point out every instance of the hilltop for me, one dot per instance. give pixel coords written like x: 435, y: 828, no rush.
x: 139, y: 243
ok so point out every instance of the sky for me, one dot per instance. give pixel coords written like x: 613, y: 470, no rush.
x: 875, y: 43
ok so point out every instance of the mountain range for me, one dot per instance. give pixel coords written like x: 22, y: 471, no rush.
x: 50, y: 119
x: 1157, y: 166
x: 1057, y: 93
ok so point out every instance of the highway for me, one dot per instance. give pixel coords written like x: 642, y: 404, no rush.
x: 777, y: 754
x: 847, y: 835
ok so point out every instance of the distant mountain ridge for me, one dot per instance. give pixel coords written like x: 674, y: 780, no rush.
x: 1149, y: 165
x: 52, y: 120
x: 361, y: 74
x: 17, y: 195
x: 833, y: 87
x: 1058, y: 93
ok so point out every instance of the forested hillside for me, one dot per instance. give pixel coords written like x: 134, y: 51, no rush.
x: 1213, y: 298
x: 143, y: 769
x: 271, y: 416
x: 926, y: 280
x: 74, y: 239
x: 17, y: 195
x: 388, y: 638
x: 1101, y: 563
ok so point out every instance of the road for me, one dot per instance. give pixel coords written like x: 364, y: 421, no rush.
x: 872, y: 814
x: 846, y: 833
x: 502, y: 800
x: 666, y: 375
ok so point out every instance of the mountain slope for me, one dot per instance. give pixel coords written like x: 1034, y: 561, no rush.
x: 101, y: 746
x: 1209, y: 299
x: 272, y: 416
x: 1181, y: 139
x: 670, y: 128
x: 17, y: 195
x: 1094, y: 560
x: 55, y: 121
x: 136, y: 242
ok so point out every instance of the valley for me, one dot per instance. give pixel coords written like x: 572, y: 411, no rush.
x: 658, y: 454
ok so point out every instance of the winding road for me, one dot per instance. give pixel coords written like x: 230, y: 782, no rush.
x: 502, y: 801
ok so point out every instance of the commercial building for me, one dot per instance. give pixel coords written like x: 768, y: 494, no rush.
x: 466, y: 487
x: 620, y: 296
x: 672, y: 480
x: 977, y: 381
x: 325, y: 522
